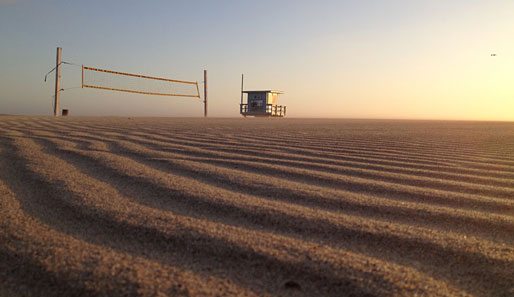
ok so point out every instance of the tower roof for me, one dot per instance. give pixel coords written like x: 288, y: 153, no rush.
x: 265, y: 91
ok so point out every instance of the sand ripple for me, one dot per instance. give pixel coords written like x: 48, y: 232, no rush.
x: 224, y: 207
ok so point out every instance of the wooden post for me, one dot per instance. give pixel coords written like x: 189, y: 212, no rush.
x: 242, y: 79
x: 205, y: 93
x: 57, y: 82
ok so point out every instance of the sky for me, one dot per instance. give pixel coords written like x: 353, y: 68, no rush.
x: 394, y: 59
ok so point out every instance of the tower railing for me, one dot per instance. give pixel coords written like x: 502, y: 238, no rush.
x: 270, y: 110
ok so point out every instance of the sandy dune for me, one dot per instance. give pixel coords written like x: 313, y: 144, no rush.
x: 255, y: 207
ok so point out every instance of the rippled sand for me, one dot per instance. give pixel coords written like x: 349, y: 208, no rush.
x: 255, y: 207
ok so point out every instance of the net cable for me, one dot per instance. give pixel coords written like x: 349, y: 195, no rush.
x: 97, y: 78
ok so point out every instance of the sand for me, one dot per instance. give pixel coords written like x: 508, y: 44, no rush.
x: 116, y: 206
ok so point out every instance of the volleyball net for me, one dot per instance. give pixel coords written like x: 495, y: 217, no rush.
x: 134, y: 83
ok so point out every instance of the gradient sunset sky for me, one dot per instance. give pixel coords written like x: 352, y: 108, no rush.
x: 338, y: 59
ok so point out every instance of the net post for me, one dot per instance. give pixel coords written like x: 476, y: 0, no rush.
x: 82, y: 76
x: 205, y: 93
x: 57, y: 82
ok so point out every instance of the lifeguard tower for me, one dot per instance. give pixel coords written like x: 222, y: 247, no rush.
x: 261, y: 103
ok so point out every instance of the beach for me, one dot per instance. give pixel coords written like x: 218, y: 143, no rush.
x: 131, y: 206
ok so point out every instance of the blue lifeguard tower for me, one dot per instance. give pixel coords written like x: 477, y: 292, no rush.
x: 262, y: 103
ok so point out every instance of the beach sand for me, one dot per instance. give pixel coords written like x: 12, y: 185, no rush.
x: 117, y: 206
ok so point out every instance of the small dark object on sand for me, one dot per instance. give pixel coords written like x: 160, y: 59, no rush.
x: 291, y: 284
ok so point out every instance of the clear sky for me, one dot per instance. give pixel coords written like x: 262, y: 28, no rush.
x: 340, y: 59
